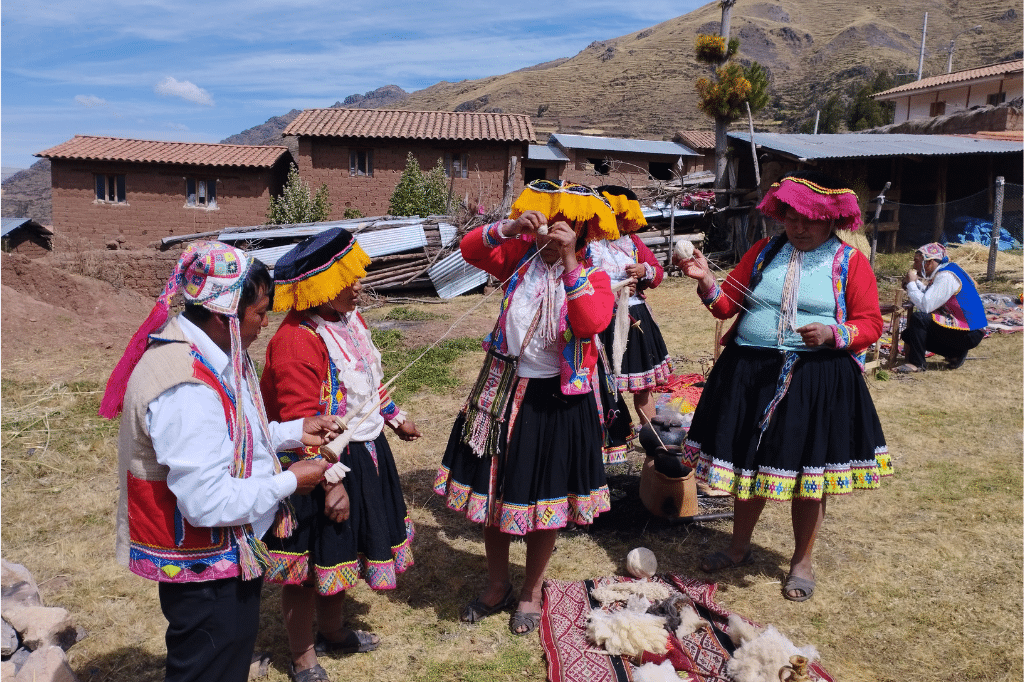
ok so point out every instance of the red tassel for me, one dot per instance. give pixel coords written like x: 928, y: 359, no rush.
x: 117, y: 384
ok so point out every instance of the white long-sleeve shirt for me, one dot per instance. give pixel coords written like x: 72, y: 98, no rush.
x: 186, y: 424
x: 928, y: 299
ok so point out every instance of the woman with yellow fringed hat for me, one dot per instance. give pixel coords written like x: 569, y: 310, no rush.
x: 640, y: 359
x: 524, y: 456
x: 355, y: 525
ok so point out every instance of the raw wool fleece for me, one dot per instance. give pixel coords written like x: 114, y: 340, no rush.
x: 649, y: 672
x: 628, y: 632
x: 760, y: 652
x: 690, y: 622
x: 612, y: 592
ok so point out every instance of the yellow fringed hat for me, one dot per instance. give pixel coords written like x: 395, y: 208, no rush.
x: 573, y: 202
x: 317, y: 269
x: 626, y: 206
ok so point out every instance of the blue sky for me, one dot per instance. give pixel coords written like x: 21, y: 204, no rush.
x: 163, y: 70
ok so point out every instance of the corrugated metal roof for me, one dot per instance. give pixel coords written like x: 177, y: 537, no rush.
x: 150, y: 151
x: 862, y: 145
x: 8, y: 225
x: 615, y: 144
x: 545, y: 152
x: 981, y: 73
x: 416, y: 125
x: 697, y: 139
x: 452, y: 276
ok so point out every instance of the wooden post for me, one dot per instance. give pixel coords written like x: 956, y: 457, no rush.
x: 941, y: 172
x: 997, y: 226
x: 894, y: 329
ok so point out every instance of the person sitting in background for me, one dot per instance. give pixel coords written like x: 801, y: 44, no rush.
x: 949, y: 319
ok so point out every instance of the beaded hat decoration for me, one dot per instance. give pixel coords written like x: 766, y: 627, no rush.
x: 815, y: 196
x: 626, y: 206
x: 208, y: 273
x: 934, y: 251
x: 569, y: 201
x: 317, y: 269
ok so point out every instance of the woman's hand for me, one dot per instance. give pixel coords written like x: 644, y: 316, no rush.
x: 336, y: 503
x: 911, y: 276
x: 559, y: 244
x: 529, y: 222
x: 697, y: 268
x: 637, y: 271
x: 319, y: 430
x: 407, y: 430
x: 816, y: 334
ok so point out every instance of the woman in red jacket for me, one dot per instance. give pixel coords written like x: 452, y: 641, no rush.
x: 785, y: 414
x: 524, y: 456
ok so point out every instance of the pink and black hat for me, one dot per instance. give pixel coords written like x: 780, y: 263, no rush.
x: 813, y: 195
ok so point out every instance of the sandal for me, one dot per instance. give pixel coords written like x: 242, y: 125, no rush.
x: 314, y: 674
x: 519, y: 619
x: 477, y: 610
x: 907, y: 369
x: 719, y: 561
x: 797, y: 584
x: 355, y: 642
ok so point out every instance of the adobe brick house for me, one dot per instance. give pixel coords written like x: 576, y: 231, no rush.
x: 360, y: 153
x: 952, y: 92
x: 135, y: 192
x: 26, y: 237
x: 702, y: 142
x: 593, y: 160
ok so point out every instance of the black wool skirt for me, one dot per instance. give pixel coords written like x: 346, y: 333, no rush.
x: 823, y: 437
x: 646, y: 363
x: 374, y: 544
x: 548, y: 471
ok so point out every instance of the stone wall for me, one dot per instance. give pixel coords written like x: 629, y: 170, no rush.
x: 144, y: 270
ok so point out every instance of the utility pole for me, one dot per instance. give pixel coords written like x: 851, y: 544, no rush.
x: 920, y: 59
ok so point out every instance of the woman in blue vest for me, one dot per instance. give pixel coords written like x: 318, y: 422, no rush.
x: 950, y: 317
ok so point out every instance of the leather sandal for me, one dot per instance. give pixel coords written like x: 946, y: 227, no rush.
x: 719, y: 561
x: 529, y: 620
x: 794, y: 583
x: 477, y: 610
x: 355, y: 642
x: 314, y: 674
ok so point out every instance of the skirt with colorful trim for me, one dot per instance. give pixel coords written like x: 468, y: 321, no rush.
x: 373, y: 545
x: 824, y: 437
x: 646, y: 362
x: 547, y: 473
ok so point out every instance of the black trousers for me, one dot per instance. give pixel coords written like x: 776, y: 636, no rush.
x: 923, y: 334
x: 211, y: 629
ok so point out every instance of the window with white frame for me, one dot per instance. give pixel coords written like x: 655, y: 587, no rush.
x: 360, y: 163
x: 110, y: 188
x: 201, y: 192
x: 456, y: 165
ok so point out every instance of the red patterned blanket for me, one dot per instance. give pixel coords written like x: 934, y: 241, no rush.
x: 572, y: 658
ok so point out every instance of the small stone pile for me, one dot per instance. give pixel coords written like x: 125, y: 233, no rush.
x: 34, y: 636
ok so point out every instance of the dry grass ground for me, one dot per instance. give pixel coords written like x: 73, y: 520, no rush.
x: 917, y: 582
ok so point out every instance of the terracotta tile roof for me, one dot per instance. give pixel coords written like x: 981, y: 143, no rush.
x: 983, y: 72
x: 696, y: 139
x: 1007, y: 135
x: 149, y: 151
x: 415, y: 125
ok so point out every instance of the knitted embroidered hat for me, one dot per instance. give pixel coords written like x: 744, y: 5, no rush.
x: 815, y: 196
x: 934, y: 251
x: 210, y: 274
x: 317, y: 269
x: 626, y: 206
x: 569, y: 201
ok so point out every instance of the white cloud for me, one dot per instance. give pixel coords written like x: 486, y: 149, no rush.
x: 90, y: 100
x: 186, y: 90
x: 177, y: 126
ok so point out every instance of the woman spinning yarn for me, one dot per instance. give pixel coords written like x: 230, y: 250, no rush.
x: 785, y: 414
x: 524, y: 456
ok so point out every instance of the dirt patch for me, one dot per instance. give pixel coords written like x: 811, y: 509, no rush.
x: 57, y: 325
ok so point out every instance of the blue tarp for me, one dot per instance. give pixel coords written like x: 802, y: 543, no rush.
x: 979, y: 230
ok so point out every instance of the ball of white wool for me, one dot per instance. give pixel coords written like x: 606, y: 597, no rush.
x: 684, y: 249
x: 641, y: 563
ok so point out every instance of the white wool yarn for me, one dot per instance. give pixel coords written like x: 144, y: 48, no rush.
x: 542, y: 230
x: 684, y: 249
x: 641, y: 563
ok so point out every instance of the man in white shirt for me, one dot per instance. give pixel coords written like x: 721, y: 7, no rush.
x: 200, y: 480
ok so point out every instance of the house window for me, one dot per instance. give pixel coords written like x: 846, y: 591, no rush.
x: 456, y: 165
x: 601, y: 166
x: 201, y: 192
x: 110, y: 189
x: 937, y: 109
x: 996, y: 98
x: 660, y: 170
x: 360, y: 162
